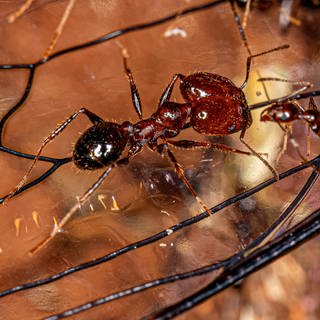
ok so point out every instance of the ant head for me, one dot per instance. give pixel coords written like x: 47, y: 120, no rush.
x: 99, y: 146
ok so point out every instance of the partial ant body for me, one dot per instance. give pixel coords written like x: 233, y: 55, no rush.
x: 284, y: 113
x: 214, y: 105
x: 287, y: 112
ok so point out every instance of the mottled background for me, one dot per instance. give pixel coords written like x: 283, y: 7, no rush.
x: 147, y: 196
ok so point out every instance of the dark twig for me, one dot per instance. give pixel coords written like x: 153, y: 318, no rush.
x: 160, y: 235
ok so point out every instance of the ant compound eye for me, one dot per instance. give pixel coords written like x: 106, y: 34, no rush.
x: 202, y: 115
x: 99, y: 146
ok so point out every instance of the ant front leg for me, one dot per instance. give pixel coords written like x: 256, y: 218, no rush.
x: 92, y: 117
x: 287, y: 129
x: 163, y: 148
x: 285, y: 141
x: 58, y: 226
x: 134, y: 90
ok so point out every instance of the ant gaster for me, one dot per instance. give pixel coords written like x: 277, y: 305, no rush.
x: 214, y: 105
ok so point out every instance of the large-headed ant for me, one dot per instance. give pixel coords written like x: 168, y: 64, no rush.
x: 214, y: 105
x: 135, y: 245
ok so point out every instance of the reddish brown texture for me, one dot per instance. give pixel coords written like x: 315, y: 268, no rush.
x: 94, y: 78
x: 287, y: 112
x: 218, y: 107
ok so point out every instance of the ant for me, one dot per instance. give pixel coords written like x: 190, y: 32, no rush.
x: 133, y: 246
x: 284, y: 113
x: 213, y: 105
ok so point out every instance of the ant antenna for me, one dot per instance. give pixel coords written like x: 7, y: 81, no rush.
x: 249, y: 60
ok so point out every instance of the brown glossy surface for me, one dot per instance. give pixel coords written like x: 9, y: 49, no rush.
x: 281, y: 112
x: 288, y: 112
x: 218, y: 107
x: 148, y: 193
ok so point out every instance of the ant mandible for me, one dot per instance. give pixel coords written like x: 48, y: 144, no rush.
x: 284, y: 113
x: 214, y: 105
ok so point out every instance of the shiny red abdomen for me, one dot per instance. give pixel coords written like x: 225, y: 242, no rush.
x: 218, y: 106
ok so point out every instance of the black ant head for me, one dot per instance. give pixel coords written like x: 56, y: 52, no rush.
x: 100, y: 145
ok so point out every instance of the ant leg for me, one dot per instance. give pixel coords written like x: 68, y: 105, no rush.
x: 167, y: 92
x: 243, y: 36
x: 308, y: 141
x: 134, y: 90
x: 161, y: 148
x: 240, y: 26
x: 312, y: 106
x: 13, y: 16
x: 190, y: 144
x: 246, y: 14
x: 92, y: 117
x: 266, y: 163
x: 304, y: 85
x: 58, y: 226
x: 59, y: 29
x: 285, y: 141
x: 249, y: 59
x: 288, y: 135
x: 56, y: 165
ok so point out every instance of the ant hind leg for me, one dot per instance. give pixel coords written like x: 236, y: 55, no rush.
x: 190, y: 144
x: 134, y: 90
x: 163, y: 148
x: 266, y: 163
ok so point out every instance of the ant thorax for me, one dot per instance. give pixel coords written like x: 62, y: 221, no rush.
x: 166, y: 122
